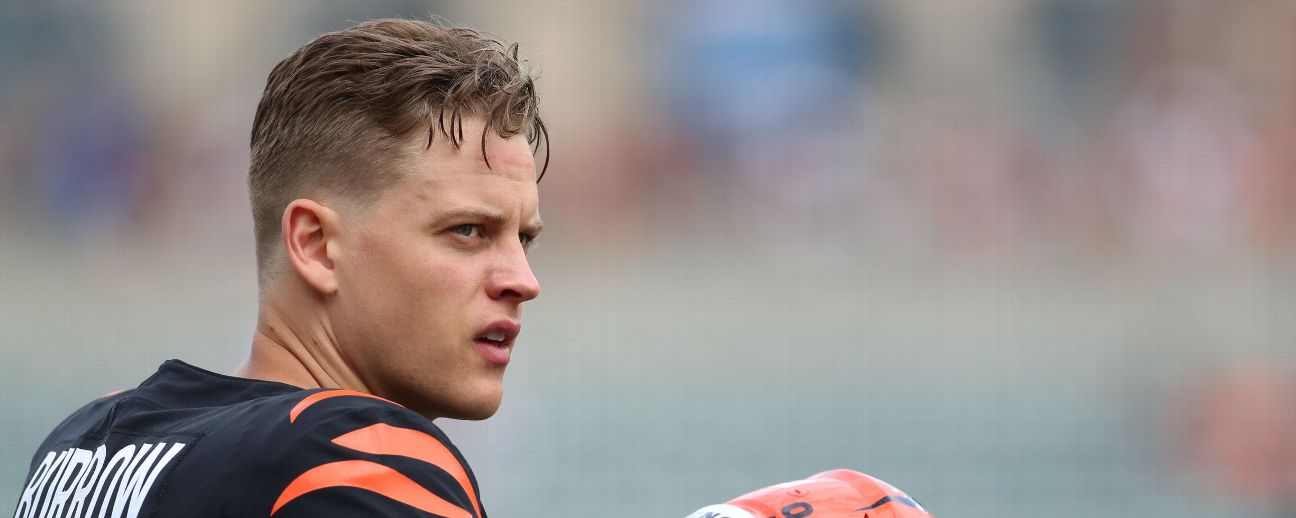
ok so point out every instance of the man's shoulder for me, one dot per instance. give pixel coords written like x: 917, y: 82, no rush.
x: 321, y: 452
x: 285, y: 427
x: 322, y: 406
x: 321, y: 416
x: 325, y: 449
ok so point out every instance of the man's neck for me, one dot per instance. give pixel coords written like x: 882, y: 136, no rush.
x: 299, y: 352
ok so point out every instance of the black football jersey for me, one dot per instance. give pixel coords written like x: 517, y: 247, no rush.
x: 192, y: 443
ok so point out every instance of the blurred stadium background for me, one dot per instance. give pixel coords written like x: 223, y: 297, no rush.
x: 1018, y: 257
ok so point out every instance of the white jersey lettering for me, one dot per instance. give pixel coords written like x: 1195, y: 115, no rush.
x: 66, y: 480
x: 138, y: 481
x: 80, y: 483
x: 50, y: 476
x: 29, y: 499
x: 87, y: 481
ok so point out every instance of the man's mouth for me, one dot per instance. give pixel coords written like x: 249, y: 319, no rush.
x: 500, y: 332
x: 495, y: 341
x: 494, y: 337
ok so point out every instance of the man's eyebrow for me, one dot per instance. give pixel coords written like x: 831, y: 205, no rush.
x: 472, y: 213
x: 484, y: 214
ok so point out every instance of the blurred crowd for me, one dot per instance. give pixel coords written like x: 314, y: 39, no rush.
x: 1092, y: 127
x: 1234, y: 432
x: 1088, y: 126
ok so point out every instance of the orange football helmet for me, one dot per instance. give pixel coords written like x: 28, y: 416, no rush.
x: 837, y: 493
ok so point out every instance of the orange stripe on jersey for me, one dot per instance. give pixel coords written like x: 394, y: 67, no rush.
x: 321, y: 396
x: 384, y: 439
x: 369, y: 476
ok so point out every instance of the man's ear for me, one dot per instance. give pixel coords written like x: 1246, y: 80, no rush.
x: 310, y: 240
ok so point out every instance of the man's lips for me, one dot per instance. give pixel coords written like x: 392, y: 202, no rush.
x: 495, y: 341
x: 500, y: 332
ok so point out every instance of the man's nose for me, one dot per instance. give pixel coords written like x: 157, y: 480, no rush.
x: 514, y: 280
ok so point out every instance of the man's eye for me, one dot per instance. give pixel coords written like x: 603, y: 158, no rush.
x: 467, y: 230
x: 526, y: 239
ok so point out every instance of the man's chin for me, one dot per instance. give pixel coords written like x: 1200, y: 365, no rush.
x: 476, y: 411
x: 479, y: 415
x: 467, y: 407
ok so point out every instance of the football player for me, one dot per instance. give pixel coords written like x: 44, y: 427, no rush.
x: 393, y: 189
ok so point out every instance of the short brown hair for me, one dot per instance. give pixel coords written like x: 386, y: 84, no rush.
x: 340, y: 108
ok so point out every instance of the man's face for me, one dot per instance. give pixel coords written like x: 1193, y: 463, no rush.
x: 432, y: 276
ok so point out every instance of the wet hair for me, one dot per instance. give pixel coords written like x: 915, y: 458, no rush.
x: 336, y: 113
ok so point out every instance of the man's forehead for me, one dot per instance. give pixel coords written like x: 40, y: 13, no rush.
x: 511, y: 157
x: 442, y: 187
x: 510, y: 191
x: 441, y: 175
x: 511, y: 154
